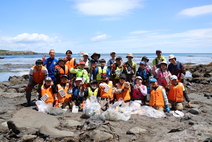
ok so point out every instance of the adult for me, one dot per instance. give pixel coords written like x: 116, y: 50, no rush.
x: 158, y: 98
x: 60, y: 70
x: 177, y: 93
x: 37, y: 74
x: 112, y: 60
x: 70, y: 62
x: 130, y: 68
x: 158, y: 59
x: 94, y: 63
x: 50, y: 63
x: 176, y: 68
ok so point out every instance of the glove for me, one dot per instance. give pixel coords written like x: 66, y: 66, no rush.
x: 27, y: 88
x: 167, y: 108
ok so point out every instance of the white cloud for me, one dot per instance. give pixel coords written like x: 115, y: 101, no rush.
x: 195, y: 11
x: 106, y: 7
x: 30, y: 38
x: 100, y: 37
x: 139, y: 32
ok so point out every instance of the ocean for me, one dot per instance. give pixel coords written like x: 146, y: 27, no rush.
x: 17, y: 65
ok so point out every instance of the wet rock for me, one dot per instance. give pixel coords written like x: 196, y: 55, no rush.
x: 98, y: 136
x: 136, y: 130
x: 71, y: 123
x: 52, y: 132
x: 29, y: 121
x: 194, y: 111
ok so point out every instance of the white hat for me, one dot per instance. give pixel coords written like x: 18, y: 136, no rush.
x: 48, y: 79
x: 85, y: 54
x: 129, y: 55
x: 138, y: 77
x: 78, y: 79
x: 171, y: 56
x: 163, y: 62
x: 173, y: 77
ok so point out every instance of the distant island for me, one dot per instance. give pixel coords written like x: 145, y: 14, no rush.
x: 8, y: 52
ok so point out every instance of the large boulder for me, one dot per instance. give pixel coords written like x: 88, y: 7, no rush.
x: 29, y: 121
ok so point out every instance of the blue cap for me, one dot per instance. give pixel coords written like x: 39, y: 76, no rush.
x: 142, y: 62
x: 153, y: 80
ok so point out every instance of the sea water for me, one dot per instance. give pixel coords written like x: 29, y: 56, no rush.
x: 17, y: 65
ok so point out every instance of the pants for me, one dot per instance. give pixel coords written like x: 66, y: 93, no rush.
x: 176, y: 105
x: 29, y: 92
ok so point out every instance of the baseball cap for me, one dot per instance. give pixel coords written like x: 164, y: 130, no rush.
x: 173, y: 77
x: 153, y: 80
x: 48, y: 79
x: 142, y: 62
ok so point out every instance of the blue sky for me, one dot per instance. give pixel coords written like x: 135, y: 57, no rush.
x: 124, y: 26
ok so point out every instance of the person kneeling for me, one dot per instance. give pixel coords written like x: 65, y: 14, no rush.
x: 158, y: 98
x: 177, y: 93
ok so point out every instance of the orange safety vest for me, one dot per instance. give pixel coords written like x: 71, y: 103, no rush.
x: 47, y: 91
x: 176, y: 93
x: 61, y: 70
x: 125, y: 94
x: 108, y: 94
x: 70, y: 63
x: 156, y: 97
x: 38, y: 75
x: 63, y: 98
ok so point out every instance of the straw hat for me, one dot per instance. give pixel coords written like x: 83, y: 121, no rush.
x: 172, y: 57
x: 129, y: 55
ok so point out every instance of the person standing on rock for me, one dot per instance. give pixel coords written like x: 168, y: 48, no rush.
x: 176, y: 68
x: 64, y: 94
x: 158, y: 59
x: 158, y: 98
x: 37, y: 74
x: 50, y: 63
x: 176, y: 94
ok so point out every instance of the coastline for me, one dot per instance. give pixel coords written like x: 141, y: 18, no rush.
x: 195, y: 125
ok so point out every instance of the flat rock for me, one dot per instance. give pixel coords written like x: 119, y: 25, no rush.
x: 30, y: 121
x: 12, y: 95
x: 136, y: 130
x: 71, y: 123
x: 52, y: 132
x: 28, y: 137
x: 194, y: 111
x: 98, y: 135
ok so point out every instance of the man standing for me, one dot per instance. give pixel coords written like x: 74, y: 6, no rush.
x: 50, y: 63
x: 112, y: 60
x: 37, y: 74
x: 158, y: 59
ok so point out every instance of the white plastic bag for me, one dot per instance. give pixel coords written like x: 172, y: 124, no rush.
x: 151, y: 112
x: 42, y: 106
x: 92, y: 107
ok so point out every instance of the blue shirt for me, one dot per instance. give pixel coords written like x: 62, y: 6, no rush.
x: 50, y: 64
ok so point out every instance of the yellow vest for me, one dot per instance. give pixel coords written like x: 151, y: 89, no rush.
x: 91, y: 93
x: 100, y: 72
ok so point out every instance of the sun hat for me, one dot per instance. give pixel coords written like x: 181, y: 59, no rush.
x: 95, y: 54
x: 153, y: 80
x: 144, y: 57
x: 129, y: 55
x: 172, y: 57
x: 138, y: 77
x: 142, y: 62
x: 113, y: 52
x: 173, y: 77
x: 163, y: 62
x: 85, y: 54
x: 48, y: 79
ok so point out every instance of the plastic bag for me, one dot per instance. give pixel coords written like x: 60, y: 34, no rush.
x: 135, y: 105
x: 150, y: 112
x: 92, y: 107
x: 177, y: 113
x: 43, y: 107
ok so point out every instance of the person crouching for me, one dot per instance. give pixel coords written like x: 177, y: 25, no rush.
x: 93, y: 90
x: 64, y: 94
x: 177, y: 93
x: 158, y: 98
x: 48, y: 92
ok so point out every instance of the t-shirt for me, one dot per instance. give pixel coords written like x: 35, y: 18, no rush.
x: 176, y: 69
x: 50, y: 64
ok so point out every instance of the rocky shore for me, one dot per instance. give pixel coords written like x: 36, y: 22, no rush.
x: 7, y: 52
x: 26, y: 124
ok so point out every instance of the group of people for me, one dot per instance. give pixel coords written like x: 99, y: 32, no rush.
x: 66, y: 82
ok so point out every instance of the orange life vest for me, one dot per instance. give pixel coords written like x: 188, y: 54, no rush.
x: 125, y: 94
x: 61, y: 70
x: 63, y: 95
x: 156, y: 97
x: 38, y: 75
x: 109, y: 93
x: 70, y: 63
x: 176, y: 93
x: 47, y: 92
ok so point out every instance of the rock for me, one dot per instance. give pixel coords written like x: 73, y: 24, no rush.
x: 11, y: 90
x: 12, y: 95
x: 56, y: 111
x: 71, y: 123
x: 30, y: 121
x: 98, y: 136
x: 28, y: 137
x: 96, y: 119
x: 4, y: 124
x: 52, y: 132
x: 194, y: 111
x: 3, y: 110
x: 196, y: 74
x: 136, y: 130
x: 191, y: 122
